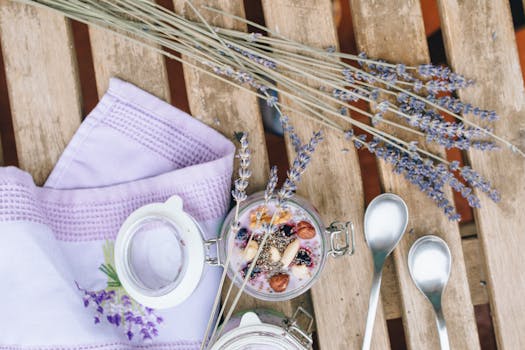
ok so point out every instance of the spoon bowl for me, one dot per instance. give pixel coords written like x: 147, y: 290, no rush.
x: 429, y: 263
x: 386, y: 220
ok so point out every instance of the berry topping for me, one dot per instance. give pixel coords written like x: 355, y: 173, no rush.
x: 256, y: 271
x: 303, y: 257
x: 242, y: 235
x: 287, y: 230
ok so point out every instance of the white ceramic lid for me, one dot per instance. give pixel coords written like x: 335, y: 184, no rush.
x: 159, y: 254
x: 253, y: 334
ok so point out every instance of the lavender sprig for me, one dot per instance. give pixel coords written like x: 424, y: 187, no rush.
x: 117, y: 308
x: 284, y: 193
x: 241, y: 183
x: 270, y: 186
x: 114, y: 306
x: 298, y: 167
x: 429, y: 177
x: 239, y: 195
x: 259, y: 63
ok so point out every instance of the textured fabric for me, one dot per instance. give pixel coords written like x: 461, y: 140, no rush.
x: 133, y: 149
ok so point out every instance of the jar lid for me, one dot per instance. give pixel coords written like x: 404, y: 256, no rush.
x: 253, y: 334
x: 159, y: 254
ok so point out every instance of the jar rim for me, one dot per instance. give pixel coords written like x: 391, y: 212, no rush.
x: 252, y: 201
x: 191, y: 239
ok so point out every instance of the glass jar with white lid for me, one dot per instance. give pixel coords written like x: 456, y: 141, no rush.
x: 264, y: 329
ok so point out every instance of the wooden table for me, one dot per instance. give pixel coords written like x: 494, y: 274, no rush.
x: 41, y: 70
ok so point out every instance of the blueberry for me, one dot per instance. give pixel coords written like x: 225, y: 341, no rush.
x: 242, y: 235
x: 287, y: 230
x: 303, y: 257
x: 255, y: 272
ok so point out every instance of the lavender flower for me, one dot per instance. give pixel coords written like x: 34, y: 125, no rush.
x: 290, y: 131
x: 298, y: 167
x: 118, y: 309
x: 270, y: 186
x: 429, y: 177
x: 255, y: 58
x: 241, y: 183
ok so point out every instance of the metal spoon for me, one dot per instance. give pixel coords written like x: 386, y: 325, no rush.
x: 386, y: 220
x: 429, y: 263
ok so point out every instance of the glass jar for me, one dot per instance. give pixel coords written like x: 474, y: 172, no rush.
x: 160, y: 254
x: 263, y: 329
x: 293, y: 256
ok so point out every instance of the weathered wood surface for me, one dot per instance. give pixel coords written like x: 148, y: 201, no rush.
x: 42, y: 82
x: 394, y: 31
x: 475, y: 273
x: 226, y: 108
x: 333, y: 183
x: 480, y: 43
x: 117, y: 56
x: 229, y: 109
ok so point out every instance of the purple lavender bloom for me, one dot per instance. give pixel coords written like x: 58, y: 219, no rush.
x: 298, y: 167
x: 122, y: 312
x: 428, y: 177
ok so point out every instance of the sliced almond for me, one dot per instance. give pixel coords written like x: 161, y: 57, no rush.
x: 301, y: 271
x: 275, y: 255
x: 250, y: 251
x: 290, y: 252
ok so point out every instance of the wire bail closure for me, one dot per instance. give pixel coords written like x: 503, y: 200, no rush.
x: 342, y: 238
x: 210, y: 259
x: 304, y: 337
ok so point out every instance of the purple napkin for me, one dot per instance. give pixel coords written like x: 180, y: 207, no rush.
x: 133, y: 149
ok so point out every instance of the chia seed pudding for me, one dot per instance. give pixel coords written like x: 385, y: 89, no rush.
x: 292, y: 255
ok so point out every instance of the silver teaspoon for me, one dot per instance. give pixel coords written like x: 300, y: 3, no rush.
x: 386, y: 220
x: 429, y: 263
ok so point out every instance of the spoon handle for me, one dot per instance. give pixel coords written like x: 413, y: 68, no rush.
x: 442, y: 329
x: 372, y: 309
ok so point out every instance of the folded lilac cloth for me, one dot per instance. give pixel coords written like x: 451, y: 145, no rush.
x: 133, y: 149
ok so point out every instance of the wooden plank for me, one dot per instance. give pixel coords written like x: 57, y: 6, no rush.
x: 475, y: 273
x: 480, y: 43
x: 42, y: 82
x: 394, y: 30
x: 333, y: 184
x: 220, y: 105
x: 116, y: 56
x: 229, y: 109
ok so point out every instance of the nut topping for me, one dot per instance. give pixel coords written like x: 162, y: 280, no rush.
x: 300, y: 271
x: 279, y: 282
x: 305, y: 230
x: 275, y: 255
x: 251, y: 250
x: 290, y: 252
